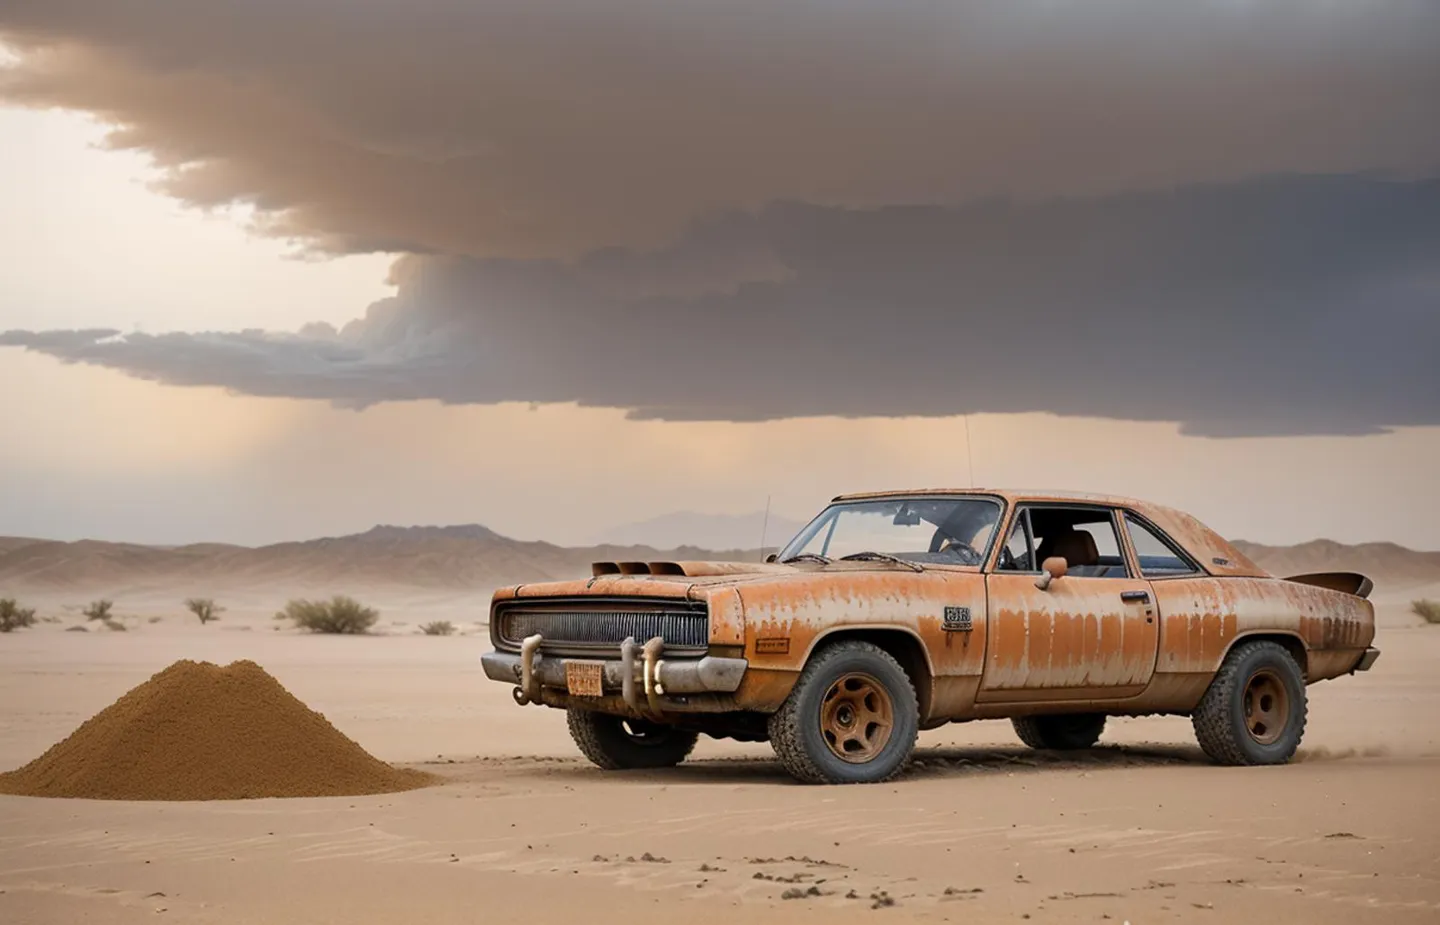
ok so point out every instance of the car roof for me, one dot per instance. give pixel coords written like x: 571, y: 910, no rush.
x: 1010, y: 494
x: 1216, y: 555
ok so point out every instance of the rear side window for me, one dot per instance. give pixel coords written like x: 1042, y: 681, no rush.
x: 1158, y: 558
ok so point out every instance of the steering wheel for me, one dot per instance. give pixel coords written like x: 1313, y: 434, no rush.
x: 962, y: 550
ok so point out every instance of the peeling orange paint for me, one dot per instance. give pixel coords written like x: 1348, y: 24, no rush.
x: 1018, y: 649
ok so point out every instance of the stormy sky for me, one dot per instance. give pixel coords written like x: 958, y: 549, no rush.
x: 1298, y: 305
x: 1222, y: 214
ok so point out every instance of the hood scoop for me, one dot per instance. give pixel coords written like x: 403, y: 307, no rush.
x: 687, y: 569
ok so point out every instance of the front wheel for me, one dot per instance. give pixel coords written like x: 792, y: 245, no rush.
x: 1254, y: 709
x: 618, y: 743
x: 852, y: 717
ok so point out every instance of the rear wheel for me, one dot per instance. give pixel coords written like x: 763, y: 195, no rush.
x: 1254, y: 709
x: 1066, y: 732
x: 618, y: 743
x: 852, y: 717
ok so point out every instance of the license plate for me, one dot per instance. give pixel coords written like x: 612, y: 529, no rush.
x: 584, y: 679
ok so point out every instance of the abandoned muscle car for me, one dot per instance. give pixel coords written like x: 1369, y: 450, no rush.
x: 900, y: 611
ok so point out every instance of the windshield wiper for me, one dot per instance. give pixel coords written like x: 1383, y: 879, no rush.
x: 884, y: 557
x: 807, y: 557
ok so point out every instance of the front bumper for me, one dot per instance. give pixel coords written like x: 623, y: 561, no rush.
x: 645, y: 681
x: 1367, y: 659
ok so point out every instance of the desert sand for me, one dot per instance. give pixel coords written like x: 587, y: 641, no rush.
x: 521, y: 829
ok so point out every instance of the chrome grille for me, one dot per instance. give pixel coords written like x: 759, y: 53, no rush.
x: 574, y: 626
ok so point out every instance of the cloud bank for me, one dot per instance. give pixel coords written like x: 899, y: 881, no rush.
x: 1211, y: 212
x: 1289, y: 305
x: 516, y: 128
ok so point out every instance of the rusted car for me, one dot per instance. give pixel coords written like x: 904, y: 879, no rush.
x: 900, y: 611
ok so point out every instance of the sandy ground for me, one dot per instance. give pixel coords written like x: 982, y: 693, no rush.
x: 981, y: 830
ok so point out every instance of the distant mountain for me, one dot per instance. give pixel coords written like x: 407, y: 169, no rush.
x: 1388, y: 564
x: 710, y: 531
x: 470, y: 557
x: 463, y: 557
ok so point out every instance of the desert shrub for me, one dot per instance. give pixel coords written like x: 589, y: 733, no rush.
x: 154, y: 619
x: 116, y: 625
x: 340, y: 614
x: 438, y: 628
x: 1426, y: 609
x: 204, y: 608
x: 76, y: 629
x: 14, y: 617
x: 99, y: 610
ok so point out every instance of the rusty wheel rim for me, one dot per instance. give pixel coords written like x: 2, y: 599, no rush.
x: 856, y: 718
x: 1267, y: 707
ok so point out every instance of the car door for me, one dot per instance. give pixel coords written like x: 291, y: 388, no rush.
x: 1091, y: 633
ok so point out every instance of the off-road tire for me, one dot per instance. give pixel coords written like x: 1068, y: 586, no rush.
x: 796, y: 728
x: 1061, y: 731
x: 1220, y: 719
x: 609, y: 742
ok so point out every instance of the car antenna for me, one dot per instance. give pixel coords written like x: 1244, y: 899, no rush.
x: 969, y: 457
x: 764, y: 526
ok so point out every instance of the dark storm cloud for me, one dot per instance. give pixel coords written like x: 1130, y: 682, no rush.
x: 1008, y: 206
x: 1272, y: 306
x: 526, y: 128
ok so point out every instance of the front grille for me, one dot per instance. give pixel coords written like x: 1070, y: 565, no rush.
x: 590, y: 627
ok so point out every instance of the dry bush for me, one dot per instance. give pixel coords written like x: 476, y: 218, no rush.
x: 154, y: 619
x: 76, y: 629
x: 438, y: 628
x: 116, y: 625
x: 14, y: 617
x: 99, y: 610
x: 205, y: 608
x: 1426, y: 609
x: 340, y: 614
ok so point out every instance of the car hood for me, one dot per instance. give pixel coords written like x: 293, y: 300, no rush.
x: 676, y: 579
x: 692, y: 579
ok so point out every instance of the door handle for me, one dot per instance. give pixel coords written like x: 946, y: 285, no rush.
x: 1134, y: 596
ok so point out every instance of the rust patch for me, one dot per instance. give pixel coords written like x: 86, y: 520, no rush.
x: 727, y: 616
x: 1203, y: 617
x: 1078, y: 634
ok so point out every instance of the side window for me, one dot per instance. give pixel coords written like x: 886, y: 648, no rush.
x: 1157, y: 558
x: 1084, y: 537
x: 1018, y: 552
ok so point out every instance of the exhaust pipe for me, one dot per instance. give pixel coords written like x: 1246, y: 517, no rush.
x: 652, y: 680
x: 529, y: 689
x: 627, y: 673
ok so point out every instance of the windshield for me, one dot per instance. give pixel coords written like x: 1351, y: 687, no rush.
x: 938, y: 531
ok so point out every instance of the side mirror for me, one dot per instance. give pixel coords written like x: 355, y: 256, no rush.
x: 772, y: 557
x: 1053, y: 568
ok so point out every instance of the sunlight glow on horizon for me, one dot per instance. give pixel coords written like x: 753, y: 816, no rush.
x: 89, y: 243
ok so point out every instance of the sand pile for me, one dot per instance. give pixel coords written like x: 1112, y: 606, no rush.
x: 197, y: 731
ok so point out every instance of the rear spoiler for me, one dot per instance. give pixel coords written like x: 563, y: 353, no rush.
x: 1347, y: 582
